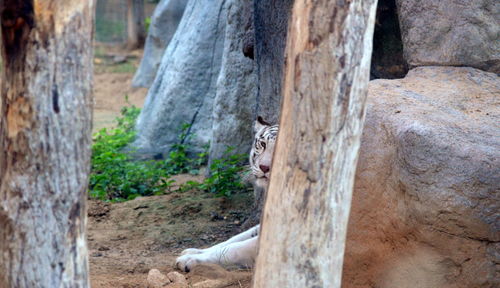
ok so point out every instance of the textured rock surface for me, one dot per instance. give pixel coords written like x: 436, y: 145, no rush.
x: 451, y: 32
x: 156, y: 279
x: 164, y: 22
x: 271, y: 26
x: 184, y: 91
x: 236, y: 97
x: 427, y: 192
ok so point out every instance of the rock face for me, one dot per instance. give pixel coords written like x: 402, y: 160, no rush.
x: 184, y: 91
x: 427, y: 192
x: 207, y: 77
x: 164, y: 22
x: 236, y: 98
x: 451, y: 32
x: 271, y: 27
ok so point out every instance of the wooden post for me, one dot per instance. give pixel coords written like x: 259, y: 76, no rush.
x: 306, y: 212
x: 136, y: 29
x: 45, y: 138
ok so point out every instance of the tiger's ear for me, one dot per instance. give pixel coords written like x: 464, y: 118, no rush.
x: 259, y: 124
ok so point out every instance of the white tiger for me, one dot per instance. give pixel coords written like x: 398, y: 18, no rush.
x: 240, y: 250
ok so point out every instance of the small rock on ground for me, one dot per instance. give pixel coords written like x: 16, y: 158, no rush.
x: 156, y: 279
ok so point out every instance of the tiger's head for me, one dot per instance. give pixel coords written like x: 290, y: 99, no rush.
x: 261, y: 155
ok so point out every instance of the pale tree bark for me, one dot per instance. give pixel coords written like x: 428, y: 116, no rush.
x: 45, y: 137
x: 306, y: 212
x: 136, y: 29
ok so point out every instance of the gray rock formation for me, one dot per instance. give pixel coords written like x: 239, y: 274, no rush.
x: 236, y: 98
x: 427, y: 191
x: 188, y: 78
x: 184, y: 90
x: 451, y: 32
x: 164, y: 22
x: 271, y: 26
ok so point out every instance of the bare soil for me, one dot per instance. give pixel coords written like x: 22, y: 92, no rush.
x: 128, y: 239
x: 113, y: 84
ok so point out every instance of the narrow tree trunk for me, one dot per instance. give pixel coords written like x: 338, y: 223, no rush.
x: 307, y: 207
x: 45, y: 137
x: 271, y: 27
x: 136, y: 30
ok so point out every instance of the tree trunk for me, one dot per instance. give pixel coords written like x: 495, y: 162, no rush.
x: 136, y: 30
x: 305, y: 216
x: 45, y: 137
x: 271, y: 24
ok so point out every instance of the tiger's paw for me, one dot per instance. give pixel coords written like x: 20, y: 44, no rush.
x: 186, y: 262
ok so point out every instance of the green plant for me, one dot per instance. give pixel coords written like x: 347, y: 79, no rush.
x: 225, y: 174
x: 179, y: 161
x: 114, y: 175
x: 147, y: 23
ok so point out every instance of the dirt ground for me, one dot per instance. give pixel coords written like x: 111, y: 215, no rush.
x: 113, y: 73
x: 128, y: 239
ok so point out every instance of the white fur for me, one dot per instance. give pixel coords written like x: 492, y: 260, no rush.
x: 240, y: 250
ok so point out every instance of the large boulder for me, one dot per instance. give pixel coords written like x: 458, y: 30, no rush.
x: 427, y: 191
x: 451, y: 32
x: 164, y: 22
x: 184, y: 89
x: 236, y: 97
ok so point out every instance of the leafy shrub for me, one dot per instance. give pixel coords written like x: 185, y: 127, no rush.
x: 225, y: 175
x: 178, y: 160
x: 114, y: 176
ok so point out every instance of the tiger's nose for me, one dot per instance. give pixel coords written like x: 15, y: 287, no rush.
x: 264, y: 168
